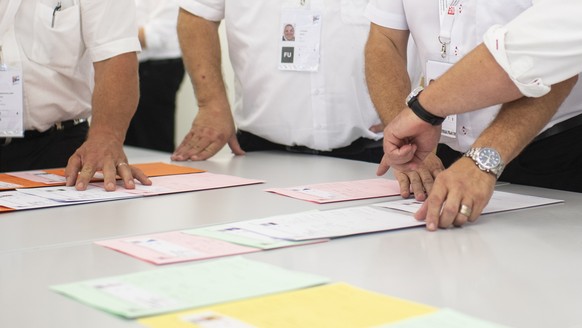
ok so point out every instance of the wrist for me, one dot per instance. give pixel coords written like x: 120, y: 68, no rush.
x: 113, y: 134
x: 487, y: 159
x: 413, y: 102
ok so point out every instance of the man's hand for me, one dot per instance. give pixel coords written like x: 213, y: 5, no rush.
x: 114, y: 102
x: 421, y: 180
x: 102, y: 153
x: 461, y: 184
x: 209, y: 133
x: 408, y: 140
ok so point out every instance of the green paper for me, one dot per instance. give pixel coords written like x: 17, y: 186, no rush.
x: 178, y: 288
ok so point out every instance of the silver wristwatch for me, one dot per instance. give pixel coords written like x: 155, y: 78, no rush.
x: 487, y: 159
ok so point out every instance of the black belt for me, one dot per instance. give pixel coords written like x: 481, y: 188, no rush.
x: 563, y: 126
x: 32, y: 134
x: 259, y: 143
x: 154, y: 62
x: 356, y: 147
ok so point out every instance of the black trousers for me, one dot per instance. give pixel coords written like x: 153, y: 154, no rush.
x: 36, y: 151
x: 554, y: 162
x: 362, y: 149
x: 153, y: 125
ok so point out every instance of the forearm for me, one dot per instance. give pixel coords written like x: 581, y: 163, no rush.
x: 201, y: 53
x: 386, y: 74
x: 115, y: 96
x: 511, y: 132
x: 475, y: 82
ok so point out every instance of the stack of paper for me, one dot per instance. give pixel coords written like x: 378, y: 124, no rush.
x: 31, y: 198
x: 328, y: 224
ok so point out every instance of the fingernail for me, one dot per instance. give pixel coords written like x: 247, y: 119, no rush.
x: 431, y: 226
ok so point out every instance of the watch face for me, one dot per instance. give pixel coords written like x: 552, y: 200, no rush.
x: 488, y: 158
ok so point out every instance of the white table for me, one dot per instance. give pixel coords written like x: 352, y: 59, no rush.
x: 521, y: 268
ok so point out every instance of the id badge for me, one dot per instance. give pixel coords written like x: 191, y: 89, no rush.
x: 434, y: 69
x: 11, y: 103
x: 300, y: 40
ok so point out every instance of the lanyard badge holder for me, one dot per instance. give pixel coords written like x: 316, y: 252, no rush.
x: 11, y: 89
x: 448, y: 10
x: 300, y: 37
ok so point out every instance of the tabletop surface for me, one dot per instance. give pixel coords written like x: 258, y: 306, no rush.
x: 520, y: 268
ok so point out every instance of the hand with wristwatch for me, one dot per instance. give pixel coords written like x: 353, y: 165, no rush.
x: 487, y: 159
x: 456, y: 207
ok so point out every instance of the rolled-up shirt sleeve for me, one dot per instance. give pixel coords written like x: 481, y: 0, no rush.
x: 540, y: 47
x: 109, y: 28
x: 212, y: 10
x: 387, y: 14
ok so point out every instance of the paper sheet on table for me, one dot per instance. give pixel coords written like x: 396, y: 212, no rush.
x: 43, y: 177
x: 15, y: 200
x: 160, y: 169
x: 500, y: 202
x: 188, y: 182
x: 31, y: 198
x: 6, y: 209
x: 63, y: 194
x: 153, y: 169
x: 183, y: 287
x: 43, y: 197
x: 29, y: 179
x: 329, y: 224
x: 173, y: 247
x: 341, y: 191
x: 445, y: 318
x: 232, y: 233
x: 49, y: 177
x: 337, y: 305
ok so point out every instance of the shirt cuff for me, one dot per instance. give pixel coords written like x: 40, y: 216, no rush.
x: 494, y: 40
x: 384, y: 19
x: 112, y: 49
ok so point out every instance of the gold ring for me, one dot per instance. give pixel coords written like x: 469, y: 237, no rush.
x: 465, y: 210
x: 121, y: 164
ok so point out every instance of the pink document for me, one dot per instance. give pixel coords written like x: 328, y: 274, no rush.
x: 170, y: 184
x: 173, y: 247
x: 341, y: 191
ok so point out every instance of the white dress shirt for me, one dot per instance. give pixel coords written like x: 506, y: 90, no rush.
x: 321, y: 110
x: 473, y: 20
x: 541, y: 47
x: 56, y: 48
x: 158, y: 19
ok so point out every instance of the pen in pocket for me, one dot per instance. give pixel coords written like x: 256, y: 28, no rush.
x: 57, y: 8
